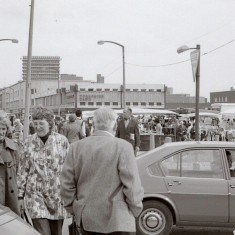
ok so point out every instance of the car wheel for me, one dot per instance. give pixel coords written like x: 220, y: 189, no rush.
x: 155, y: 219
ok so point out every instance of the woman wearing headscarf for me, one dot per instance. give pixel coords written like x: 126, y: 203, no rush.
x: 8, y: 166
x: 40, y: 166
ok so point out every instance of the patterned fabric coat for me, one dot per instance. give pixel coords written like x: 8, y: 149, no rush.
x: 38, y: 176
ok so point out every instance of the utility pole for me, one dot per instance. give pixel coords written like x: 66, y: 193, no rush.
x: 28, y: 79
x: 76, y: 96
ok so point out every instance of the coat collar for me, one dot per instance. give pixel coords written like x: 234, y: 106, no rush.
x: 5, y: 154
x: 10, y: 144
x: 102, y: 133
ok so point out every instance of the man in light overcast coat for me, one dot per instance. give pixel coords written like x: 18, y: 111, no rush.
x: 100, y: 183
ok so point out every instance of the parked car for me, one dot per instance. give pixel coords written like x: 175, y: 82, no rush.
x: 187, y: 184
x: 12, y: 224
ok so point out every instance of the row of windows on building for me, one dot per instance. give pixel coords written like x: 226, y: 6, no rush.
x: 108, y: 89
x: 33, y: 91
x: 221, y: 99
x: 116, y: 103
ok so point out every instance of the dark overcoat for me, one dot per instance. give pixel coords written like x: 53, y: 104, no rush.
x: 9, y: 159
x: 125, y: 132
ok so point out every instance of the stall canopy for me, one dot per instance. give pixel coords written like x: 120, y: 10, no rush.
x: 136, y: 111
x: 206, y: 114
x: 228, y: 113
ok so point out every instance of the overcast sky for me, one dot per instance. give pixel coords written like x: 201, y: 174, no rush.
x: 150, y: 30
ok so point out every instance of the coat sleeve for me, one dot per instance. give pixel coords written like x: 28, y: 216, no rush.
x: 129, y: 176
x: 65, y: 131
x: 117, y: 134
x: 67, y: 179
x: 137, y: 135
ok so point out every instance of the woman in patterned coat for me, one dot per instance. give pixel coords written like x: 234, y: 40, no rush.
x: 40, y: 166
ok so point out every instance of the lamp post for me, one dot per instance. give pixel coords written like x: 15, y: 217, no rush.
x: 8, y: 39
x: 123, y: 103
x: 59, y: 93
x: 28, y: 79
x: 195, y: 59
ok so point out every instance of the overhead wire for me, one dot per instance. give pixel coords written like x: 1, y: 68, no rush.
x: 183, y: 61
x: 170, y: 64
x: 113, y: 71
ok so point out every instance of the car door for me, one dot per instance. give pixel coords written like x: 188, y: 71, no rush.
x: 231, y: 184
x: 196, y: 183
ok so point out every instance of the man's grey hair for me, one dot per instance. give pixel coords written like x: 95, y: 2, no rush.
x: 104, y: 118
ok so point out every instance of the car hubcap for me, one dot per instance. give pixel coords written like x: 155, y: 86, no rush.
x: 152, y: 221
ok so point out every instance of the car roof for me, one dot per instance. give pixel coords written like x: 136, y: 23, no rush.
x: 169, y: 148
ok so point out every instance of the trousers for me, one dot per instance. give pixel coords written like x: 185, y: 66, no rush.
x: 113, y: 233
x: 48, y: 227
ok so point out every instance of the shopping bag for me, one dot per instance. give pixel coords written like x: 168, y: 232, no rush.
x: 73, y: 229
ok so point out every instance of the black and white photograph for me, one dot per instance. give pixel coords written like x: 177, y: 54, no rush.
x: 117, y: 117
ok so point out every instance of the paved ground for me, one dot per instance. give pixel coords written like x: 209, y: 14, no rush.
x: 177, y: 231
x: 198, y: 231
x: 67, y: 222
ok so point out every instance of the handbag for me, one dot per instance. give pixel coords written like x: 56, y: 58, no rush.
x: 73, y: 229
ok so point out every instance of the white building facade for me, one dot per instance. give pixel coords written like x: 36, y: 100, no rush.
x: 86, y: 95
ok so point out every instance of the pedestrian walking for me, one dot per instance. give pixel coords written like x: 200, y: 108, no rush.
x: 100, y: 183
x: 40, y: 166
x: 8, y: 166
x: 81, y: 122
x: 128, y: 129
x: 72, y: 130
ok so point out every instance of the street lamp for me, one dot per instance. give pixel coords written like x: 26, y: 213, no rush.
x: 195, y: 59
x: 123, y: 103
x: 12, y: 40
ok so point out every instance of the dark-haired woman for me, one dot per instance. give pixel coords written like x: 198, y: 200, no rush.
x: 41, y: 163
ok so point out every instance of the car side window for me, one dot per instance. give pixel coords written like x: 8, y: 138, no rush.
x: 203, y: 163
x: 230, y: 154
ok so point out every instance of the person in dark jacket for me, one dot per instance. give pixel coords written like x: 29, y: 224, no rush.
x: 8, y: 166
x: 128, y: 129
x: 72, y: 130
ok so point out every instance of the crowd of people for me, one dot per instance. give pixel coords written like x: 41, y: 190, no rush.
x: 76, y: 168
x: 183, y: 129
x: 55, y: 176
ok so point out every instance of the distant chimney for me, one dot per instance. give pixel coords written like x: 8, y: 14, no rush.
x: 100, y: 79
x: 231, y: 88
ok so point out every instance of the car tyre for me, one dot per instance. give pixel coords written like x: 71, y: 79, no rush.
x: 155, y: 219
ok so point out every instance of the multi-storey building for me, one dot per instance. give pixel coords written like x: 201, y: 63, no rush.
x: 174, y: 101
x: 223, y: 96
x: 42, y: 67
x: 70, y: 92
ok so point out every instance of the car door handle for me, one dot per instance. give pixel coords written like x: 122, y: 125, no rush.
x: 176, y: 181
x: 232, y: 186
